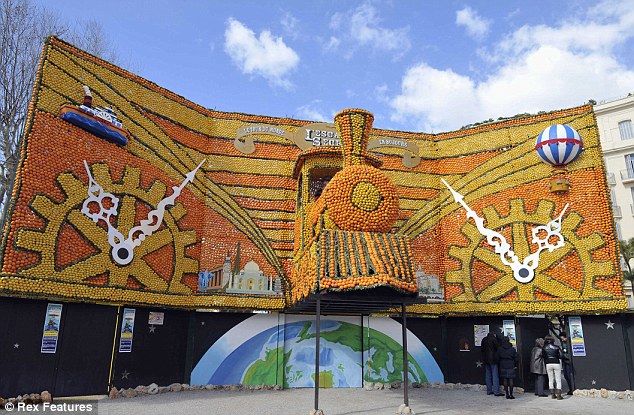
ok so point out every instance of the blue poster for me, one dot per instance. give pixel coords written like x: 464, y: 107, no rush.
x: 577, y: 343
x: 509, y: 331
x: 51, y: 328
x: 127, y: 330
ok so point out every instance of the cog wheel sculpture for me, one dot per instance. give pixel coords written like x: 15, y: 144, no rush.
x: 131, y: 195
x: 521, y: 224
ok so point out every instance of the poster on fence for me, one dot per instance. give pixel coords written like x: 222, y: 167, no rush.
x: 156, y: 318
x: 51, y: 328
x: 577, y: 343
x: 509, y: 331
x: 127, y: 330
x: 480, y: 331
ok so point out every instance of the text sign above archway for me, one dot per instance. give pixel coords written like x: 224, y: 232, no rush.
x: 318, y: 135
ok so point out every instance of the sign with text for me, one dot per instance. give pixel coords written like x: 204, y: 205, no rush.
x: 127, y: 330
x: 318, y: 135
x: 480, y: 331
x: 577, y: 342
x: 156, y: 318
x: 51, y: 328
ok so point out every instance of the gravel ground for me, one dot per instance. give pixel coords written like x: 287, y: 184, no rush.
x: 355, y: 401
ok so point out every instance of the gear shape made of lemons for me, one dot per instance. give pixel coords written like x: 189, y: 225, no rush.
x: 520, y: 222
x: 129, y: 191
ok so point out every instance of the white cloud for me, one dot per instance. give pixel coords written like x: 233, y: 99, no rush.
x: 535, y: 68
x: 311, y: 112
x: 381, y: 93
x: 333, y: 43
x: 267, y: 55
x: 477, y: 27
x: 289, y: 23
x: 431, y: 96
x: 362, y: 27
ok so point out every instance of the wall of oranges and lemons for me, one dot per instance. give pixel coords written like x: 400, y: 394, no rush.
x: 51, y: 250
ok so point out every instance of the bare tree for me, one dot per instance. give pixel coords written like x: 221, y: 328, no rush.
x: 23, y: 29
x: 90, y: 36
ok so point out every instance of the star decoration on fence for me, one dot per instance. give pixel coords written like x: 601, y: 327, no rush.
x: 125, y: 374
x: 594, y: 382
x: 609, y: 325
x: 16, y: 346
x: 152, y: 328
x: 479, y: 363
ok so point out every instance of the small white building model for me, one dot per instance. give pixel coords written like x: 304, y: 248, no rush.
x: 250, y: 280
x: 429, y: 286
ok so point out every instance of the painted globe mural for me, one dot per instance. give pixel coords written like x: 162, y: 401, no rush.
x: 284, y: 354
x: 559, y: 145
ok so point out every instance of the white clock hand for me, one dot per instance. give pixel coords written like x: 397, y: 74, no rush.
x: 495, y: 239
x: 96, y: 194
x: 523, y: 272
x: 123, y: 248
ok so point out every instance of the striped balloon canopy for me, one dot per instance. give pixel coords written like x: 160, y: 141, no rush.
x: 559, y: 145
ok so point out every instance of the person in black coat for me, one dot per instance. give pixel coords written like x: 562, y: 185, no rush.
x: 507, y: 356
x: 489, y: 347
x: 566, y: 366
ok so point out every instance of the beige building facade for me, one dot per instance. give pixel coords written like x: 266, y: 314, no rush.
x: 615, y: 120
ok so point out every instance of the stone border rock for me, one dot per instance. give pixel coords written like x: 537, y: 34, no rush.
x: 604, y: 393
x: 433, y: 385
x: 33, y: 398
x: 153, y: 389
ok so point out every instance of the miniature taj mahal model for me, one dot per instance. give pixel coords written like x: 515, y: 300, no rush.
x: 249, y: 280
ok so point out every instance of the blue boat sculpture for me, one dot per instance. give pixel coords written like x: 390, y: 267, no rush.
x: 101, y: 122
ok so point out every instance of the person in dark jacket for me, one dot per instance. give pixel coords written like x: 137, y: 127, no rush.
x: 566, y: 366
x: 507, y: 356
x: 489, y: 347
x: 538, y: 367
x: 552, y: 357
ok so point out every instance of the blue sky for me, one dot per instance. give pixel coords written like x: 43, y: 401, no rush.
x: 426, y: 66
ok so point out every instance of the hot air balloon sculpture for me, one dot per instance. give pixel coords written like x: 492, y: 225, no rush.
x: 559, y: 145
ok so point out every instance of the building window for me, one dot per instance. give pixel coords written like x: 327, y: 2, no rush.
x: 625, y: 128
x: 612, y: 197
x: 618, y: 230
x: 629, y: 164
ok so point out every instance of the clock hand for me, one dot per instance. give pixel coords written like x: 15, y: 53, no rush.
x: 123, y: 248
x: 96, y: 194
x: 522, y: 271
x: 123, y: 252
x: 148, y: 226
x: 552, y: 228
x: 526, y: 272
x: 495, y: 239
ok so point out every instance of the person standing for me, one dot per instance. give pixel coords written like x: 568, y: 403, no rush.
x: 552, y: 356
x: 489, y: 347
x: 565, y: 362
x: 507, y: 357
x: 538, y: 367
